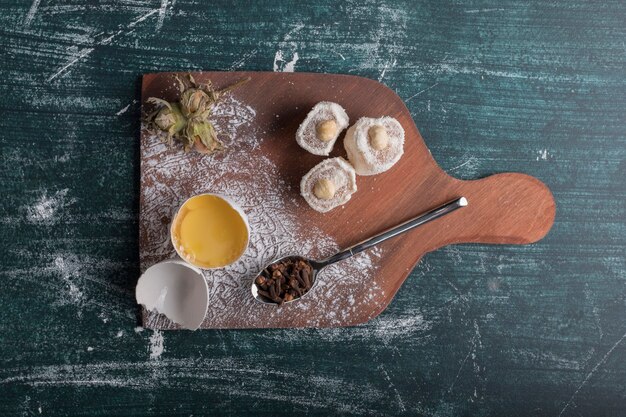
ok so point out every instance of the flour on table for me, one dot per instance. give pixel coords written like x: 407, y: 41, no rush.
x: 543, y: 155
x: 282, y: 65
x: 46, y: 208
x: 156, y: 344
x: 254, y: 182
x: 69, y: 269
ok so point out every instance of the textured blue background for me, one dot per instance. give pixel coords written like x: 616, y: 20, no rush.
x: 537, y: 87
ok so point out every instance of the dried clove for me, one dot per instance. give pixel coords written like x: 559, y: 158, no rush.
x: 285, y: 280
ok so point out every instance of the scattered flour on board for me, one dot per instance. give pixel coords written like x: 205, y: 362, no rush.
x: 269, y: 200
x: 386, y: 330
x: 156, y: 345
x: 47, y: 208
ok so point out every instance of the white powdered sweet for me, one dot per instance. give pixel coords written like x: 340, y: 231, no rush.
x: 366, y: 159
x: 340, y: 173
x: 306, y: 136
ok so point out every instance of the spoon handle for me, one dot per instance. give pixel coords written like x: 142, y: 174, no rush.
x: 396, y: 230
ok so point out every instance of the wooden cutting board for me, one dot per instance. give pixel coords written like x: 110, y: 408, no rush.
x: 261, y: 170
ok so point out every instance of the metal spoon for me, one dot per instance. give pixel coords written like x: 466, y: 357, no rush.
x: 317, y: 266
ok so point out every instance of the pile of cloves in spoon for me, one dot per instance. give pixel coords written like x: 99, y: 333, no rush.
x: 285, y: 280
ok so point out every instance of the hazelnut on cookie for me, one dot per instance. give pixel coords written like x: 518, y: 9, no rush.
x: 321, y: 128
x: 374, y: 145
x: 328, y: 184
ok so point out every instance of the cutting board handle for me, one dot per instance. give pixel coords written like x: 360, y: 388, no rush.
x: 506, y: 208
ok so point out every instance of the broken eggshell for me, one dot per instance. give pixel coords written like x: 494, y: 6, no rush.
x: 177, y: 290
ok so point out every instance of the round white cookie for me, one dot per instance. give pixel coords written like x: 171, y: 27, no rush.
x: 321, y: 128
x: 374, y: 145
x: 328, y: 184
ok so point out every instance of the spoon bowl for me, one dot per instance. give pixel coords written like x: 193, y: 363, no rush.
x: 317, y: 266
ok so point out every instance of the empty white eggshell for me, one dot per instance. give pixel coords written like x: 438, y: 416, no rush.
x: 176, y: 289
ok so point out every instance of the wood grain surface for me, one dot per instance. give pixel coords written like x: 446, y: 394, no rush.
x: 504, y: 208
x: 482, y: 330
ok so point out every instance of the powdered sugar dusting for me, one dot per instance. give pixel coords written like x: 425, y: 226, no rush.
x: 253, y: 181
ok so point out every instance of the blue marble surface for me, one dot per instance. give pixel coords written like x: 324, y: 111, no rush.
x: 536, y: 87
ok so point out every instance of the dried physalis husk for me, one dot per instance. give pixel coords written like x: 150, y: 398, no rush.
x: 201, y: 135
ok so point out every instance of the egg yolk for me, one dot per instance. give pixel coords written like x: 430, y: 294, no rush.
x: 209, y: 232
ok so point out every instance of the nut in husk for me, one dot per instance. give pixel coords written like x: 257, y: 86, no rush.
x: 202, y: 136
x: 170, y: 119
x: 187, y: 119
x: 195, y: 103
